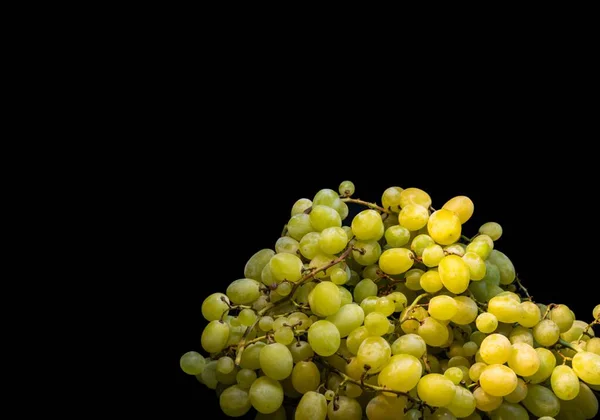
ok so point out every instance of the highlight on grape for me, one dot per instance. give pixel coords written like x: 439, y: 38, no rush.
x: 395, y: 315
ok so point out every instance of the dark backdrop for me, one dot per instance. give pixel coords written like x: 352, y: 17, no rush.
x: 216, y: 215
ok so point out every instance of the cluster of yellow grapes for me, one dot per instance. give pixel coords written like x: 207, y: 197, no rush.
x: 395, y: 315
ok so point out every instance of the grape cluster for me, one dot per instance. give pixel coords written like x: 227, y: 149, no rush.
x: 395, y: 316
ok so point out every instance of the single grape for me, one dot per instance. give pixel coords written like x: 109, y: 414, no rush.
x: 454, y: 274
x: 432, y: 255
x: 247, y: 317
x: 530, y: 314
x: 286, y: 267
x: 476, y: 265
x: 414, y: 196
x: 565, y: 383
x: 383, y: 407
x: 266, y: 395
x: 413, y: 217
x: 333, y: 240
x: 420, y: 243
x: 235, y: 401
x: 397, y: 236
x: 245, y: 378
x: 411, y: 344
x: 390, y: 199
x: 346, y: 188
x: 214, y: 337
x: 377, y: 324
x: 396, y: 260
x: 506, y: 267
x: 444, y: 227
x: 523, y: 359
x: 305, y: 377
x: 284, y: 288
x: 433, y: 332
x: 215, y: 306
x: 486, y: 322
x: 431, y: 282
x: 299, y: 225
x: 284, y: 336
x: 463, y: 403
x: 324, y: 338
x: 498, y: 380
x: 374, y: 352
x: 546, y: 333
x: 192, y: 363
x: 462, y: 206
x: 562, y: 316
x: 467, y: 311
x: 312, y: 406
x: 485, y: 401
x: 402, y: 373
x: 301, y: 350
x: 347, y: 319
x: 363, y: 289
x: 225, y: 365
x: 366, y: 252
x: 442, y: 307
x: 344, y: 408
x: 367, y: 225
x: 276, y: 361
x: 323, y: 217
x: 325, y: 299
x: 492, y: 229
x: 476, y: 370
x: 265, y: 323
x: 436, y: 390
x: 454, y: 374
x: 587, y: 367
x: 495, y: 349
x: 541, y: 401
x: 413, y: 279
x: 596, y: 312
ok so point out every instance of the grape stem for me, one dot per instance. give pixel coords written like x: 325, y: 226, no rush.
x: 465, y: 238
x: 412, y: 306
x: 568, y: 345
x: 365, y: 203
x: 552, y: 305
x: 590, y: 325
x: 523, y: 288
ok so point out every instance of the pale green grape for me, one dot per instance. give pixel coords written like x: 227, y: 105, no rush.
x: 593, y: 346
x: 339, y: 275
x: 367, y: 225
x: 305, y: 377
x: 322, y: 217
x: 256, y: 263
x: 354, y: 278
x: 596, y: 312
x: 371, y: 272
x: 347, y: 319
x: 355, y: 339
x: 546, y: 333
x: 462, y: 206
x: 510, y: 411
x: 399, y: 300
x: 575, y: 331
x: 413, y: 217
x: 476, y: 265
x: 480, y: 247
x: 299, y: 225
x: 284, y: 336
x: 495, y: 349
x: 214, y: 337
x: 486, y: 322
x: 364, y: 288
x: 209, y: 374
x: 333, y: 240
x: 215, y: 306
x: 370, y: 252
x: 276, y: 361
x: 547, y: 364
x: 251, y: 356
x: 312, y: 406
x: 562, y: 316
x: 396, y: 260
x: 397, y: 236
x: 484, y: 401
x: 286, y: 267
x: 325, y: 197
x: 300, y: 206
x: 523, y: 359
x: 506, y: 267
x: 541, y: 401
x: 374, y: 352
x: 444, y: 227
x: 346, y: 188
x: 442, y: 307
x: 456, y: 249
x: 530, y: 314
x: 368, y: 304
x: 235, y: 401
x: 413, y: 414
x: 265, y: 323
x: 432, y: 255
x: 284, y: 288
x: 477, y: 337
x: 377, y: 324
x: 326, y: 299
x: 433, y: 332
x: 420, y: 243
x: 385, y: 305
x: 247, y: 317
x: 467, y: 311
x: 245, y: 378
x: 192, y: 363
x: 463, y: 403
x: 476, y: 370
x: 505, y: 308
x: 521, y: 334
x: 300, y: 320
x: 225, y: 365
x: 455, y: 374
x: 344, y: 408
x: 491, y: 229
x: 267, y: 276
x: 324, y: 338
x: 411, y: 344
x: 492, y: 274
x: 384, y: 407
x: 341, y: 208
x: 436, y: 390
x: 414, y: 196
x: 498, y: 380
x: 413, y: 278
x: 320, y: 260
x: 309, y: 245
x: 266, y: 395
x: 518, y: 394
x: 431, y: 282
x: 287, y: 245
x: 401, y: 373
x: 279, y: 323
x: 587, y: 367
x: 390, y: 199
x: 454, y: 274
x: 345, y: 296
x: 565, y: 383
x: 301, y: 350
x: 470, y: 348
x: 479, y: 290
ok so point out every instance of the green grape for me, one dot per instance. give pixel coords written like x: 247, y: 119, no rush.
x: 251, y: 356
x: 320, y: 260
x: 411, y: 326
x: 374, y: 352
x: 265, y: 323
x: 384, y: 407
x: 371, y: 272
x: 235, y: 401
x: 505, y: 308
x: 326, y: 299
x: 339, y: 275
x: 300, y: 320
x: 411, y: 344
x: 368, y: 304
x: 305, y: 377
x: 299, y: 225
x: 436, y: 390
x: 390, y: 199
x: 345, y: 296
x: 442, y: 307
x: 454, y: 374
x: 565, y: 383
x: 506, y: 267
x: 523, y: 359
x: 486, y: 322
x: 256, y: 263
x: 367, y: 225
x: 463, y: 403
x: 546, y: 332
x: 479, y: 290
x: 462, y: 206
x: 476, y: 265
x: 227, y: 378
x: 521, y: 334
x: 370, y: 252
x: 491, y: 229
x: 433, y: 332
x: 477, y: 337
x: 301, y: 350
x: 399, y: 300
x: 285, y: 244
x: 247, y: 317
x: 397, y: 236
x: 456, y: 349
x: 364, y: 288
x: 586, y: 403
x: 518, y: 394
x: 284, y: 288
x: 346, y: 188
x: 300, y: 206
x: 495, y: 349
x: 541, y: 401
x: 593, y: 346
x: 276, y: 361
x: 576, y: 330
x: 486, y: 402
x: 431, y: 282
x: 396, y: 261
x: 215, y: 306
x: 344, y: 408
x: 309, y: 245
x: 325, y: 197
x: 547, y: 364
x: 354, y: 278
x: 414, y: 196
x: 353, y: 391
x: 385, y: 306
x: 312, y: 406
x: 209, y: 374
x: 444, y: 227
x: 286, y: 267
x: 510, y: 411
x: 492, y: 274
x: 413, y: 217
x: 324, y: 338
x: 401, y: 373
x: 498, y: 380
x: 420, y: 243
x: 322, y: 217
x: 455, y: 249
x: 454, y: 274
x: 596, y: 312
x: 355, y: 339
x: 587, y: 367
x: 279, y: 323
x: 459, y: 361
x: 530, y: 314
x: 267, y: 277
x: 413, y: 278
x: 192, y: 363
x: 347, y: 319
x: 467, y: 311
x: 480, y: 247
x: 225, y: 365
x: 476, y: 370
x: 333, y: 240
x: 432, y: 255
x: 562, y: 316
x: 245, y: 378
x: 233, y: 321
x: 284, y: 336
x: 413, y: 414
x: 266, y: 395
x: 348, y: 231
x: 377, y: 324
x: 214, y: 337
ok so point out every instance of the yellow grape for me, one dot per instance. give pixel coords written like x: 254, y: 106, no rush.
x: 547, y: 364
x: 374, y: 352
x: 326, y: 299
x: 414, y: 196
x: 442, y: 307
x: 367, y: 225
x: 467, y: 311
x: 587, y: 366
x: 530, y: 314
x: 523, y: 359
x: 546, y: 333
x: 430, y: 281
x: 432, y: 255
x: 413, y: 217
x: 462, y: 206
x: 312, y: 406
x: 505, y: 308
x: 402, y: 373
x: 444, y: 227
x: 476, y: 370
x: 495, y: 349
x: 476, y: 265
x: 385, y: 305
x: 396, y: 260
x: 377, y: 324
x: 433, y: 332
x: 518, y: 394
x: 565, y: 382
x: 454, y: 274
x: 324, y: 338
x: 455, y: 374
x: 390, y: 199
x: 383, y: 407
x: 463, y: 403
x: 486, y: 322
x: 563, y: 317
x: 593, y: 346
x: 436, y: 390
x: 485, y: 401
x: 498, y: 380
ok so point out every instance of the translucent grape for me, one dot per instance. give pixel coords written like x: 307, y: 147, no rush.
x: 396, y: 260
x: 565, y: 383
x: 345, y: 296
x: 247, y: 317
x: 454, y: 274
x: 374, y: 352
x: 333, y: 240
x: 284, y: 288
x: 368, y: 304
x: 530, y: 314
x: 309, y: 245
x: 346, y: 188
x: 476, y: 265
x: 492, y: 229
x: 593, y: 346
x: 192, y: 363
x: 413, y: 278
x: 305, y: 377
x: 505, y: 309
x: 444, y: 227
x: 562, y: 316
x: 523, y: 359
x: 235, y: 401
x: 225, y: 365
x: 245, y: 378
x: 402, y: 373
x: 324, y: 338
x: 344, y: 408
x: 498, y: 380
x: 462, y: 206
x: 431, y: 282
x: 301, y: 350
x: 436, y: 390
x: 265, y: 323
x: 587, y: 367
x: 397, y: 236
x: 251, y: 356
x: 339, y: 276
x: 547, y: 364
x: 546, y: 332
x: 370, y: 252
x: 470, y: 348
x: 286, y: 267
x: 486, y: 322
x: 442, y: 307
x: 432, y: 255
x: 390, y: 199
x: 575, y: 331
x: 326, y: 299
x: 506, y: 267
x: 386, y: 305
x: 284, y: 336
x: 485, y: 401
x: 257, y: 262
x: 209, y: 374
x: 495, y: 349
x: 279, y: 322
x: 347, y: 319
x: 521, y: 334
x: 518, y: 394
x: 476, y: 370
x: 510, y: 411
x: 413, y: 217
x: 467, y: 311
x: 480, y: 247
x: 377, y: 324
x: 367, y: 225
x: 266, y: 395
x: 276, y: 361
x: 414, y: 196
x: 363, y: 289
x: 215, y: 306
x: 411, y: 344
x: 456, y: 249
x: 325, y: 197
x: 541, y: 401
x: 322, y: 217
x: 214, y: 337
x: 454, y: 374
x: 312, y: 406
x: 300, y: 206
x: 420, y: 243
x: 285, y: 244
x: 299, y: 225
x: 433, y: 332
x: 463, y: 403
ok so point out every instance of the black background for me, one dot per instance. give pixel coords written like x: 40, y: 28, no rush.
x: 217, y: 209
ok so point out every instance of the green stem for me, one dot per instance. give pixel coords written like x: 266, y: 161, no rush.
x: 365, y: 203
x: 522, y: 287
x: 412, y: 306
x: 568, y: 345
x: 465, y: 238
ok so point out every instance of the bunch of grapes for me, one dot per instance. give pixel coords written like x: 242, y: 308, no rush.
x: 395, y: 316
